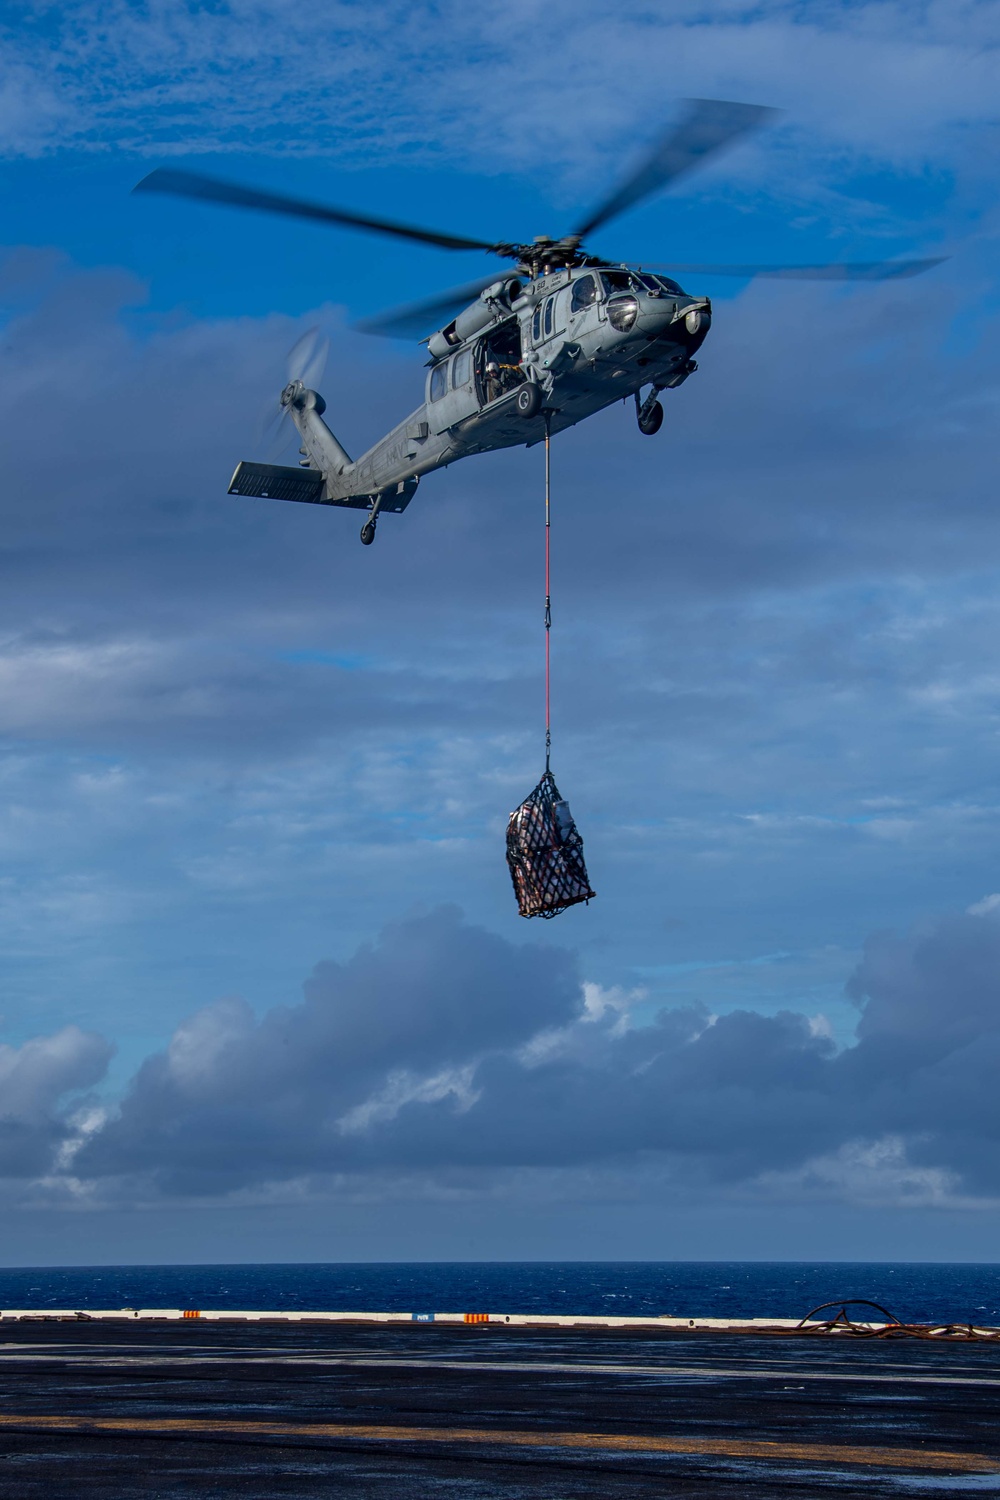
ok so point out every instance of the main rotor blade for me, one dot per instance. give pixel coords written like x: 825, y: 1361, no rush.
x: 705, y: 128
x: 216, y: 190
x: 420, y: 318
x: 858, y: 270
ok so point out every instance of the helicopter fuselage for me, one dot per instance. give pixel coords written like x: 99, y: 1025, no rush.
x: 548, y: 351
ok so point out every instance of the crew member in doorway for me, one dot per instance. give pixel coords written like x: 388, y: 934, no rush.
x: 494, y: 385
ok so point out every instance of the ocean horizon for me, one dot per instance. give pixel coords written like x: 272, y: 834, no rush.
x: 913, y: 1291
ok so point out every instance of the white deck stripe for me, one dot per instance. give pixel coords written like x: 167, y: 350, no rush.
x: 472, y: 1365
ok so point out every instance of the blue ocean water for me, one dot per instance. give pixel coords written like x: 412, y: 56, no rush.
x: 744, y: 1289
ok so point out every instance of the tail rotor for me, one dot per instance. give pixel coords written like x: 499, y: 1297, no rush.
x: 304, y: 366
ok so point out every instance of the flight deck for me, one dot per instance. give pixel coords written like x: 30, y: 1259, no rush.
x: 483, y: 1409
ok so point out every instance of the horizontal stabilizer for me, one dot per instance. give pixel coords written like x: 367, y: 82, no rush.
x: 276, y: 482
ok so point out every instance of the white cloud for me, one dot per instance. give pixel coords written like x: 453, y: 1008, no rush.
x: 36, y: 1075
x: 880, y: 80
x: 401, y: 1088
x: 984, y: 907
x: 599, y: 1000
x: 197, y: 1045
x: 870, y: 1173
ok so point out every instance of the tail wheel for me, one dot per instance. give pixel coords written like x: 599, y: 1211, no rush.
x: 652, y: 420
x: 368, y: 533
x: 529, y: 399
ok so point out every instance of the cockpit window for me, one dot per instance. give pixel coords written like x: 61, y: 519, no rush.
x: 616, y: 281
x: 439, y: 381
x: 660, y: 284
x: 584, y: 294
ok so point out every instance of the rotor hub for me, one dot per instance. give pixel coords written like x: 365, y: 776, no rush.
x: 297, y: 394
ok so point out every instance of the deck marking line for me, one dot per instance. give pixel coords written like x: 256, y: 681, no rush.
x: 518, y: 1367
x: 828, y: 1453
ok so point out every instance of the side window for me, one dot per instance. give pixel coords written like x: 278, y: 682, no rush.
x: 439, y: 381
x: 462, y: 369
x: 584, y: 294
x: 536, y: 325
x: 550, y: 303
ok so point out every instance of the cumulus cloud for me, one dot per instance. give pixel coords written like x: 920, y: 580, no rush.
x: 40, y: 1084
x: 929, y: 1045
x: 444, y: 1049
x: 399, y: 1026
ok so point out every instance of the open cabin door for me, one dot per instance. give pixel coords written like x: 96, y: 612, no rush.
x: 500, y: 347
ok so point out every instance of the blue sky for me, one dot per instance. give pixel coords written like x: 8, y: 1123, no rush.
x: 241, y: 755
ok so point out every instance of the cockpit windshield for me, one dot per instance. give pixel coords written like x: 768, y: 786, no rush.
x: 616, y: 281
x: 660, y: 284
x: 639, y: 281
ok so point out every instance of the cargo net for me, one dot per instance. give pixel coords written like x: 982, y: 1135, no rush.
x: 545, y: 854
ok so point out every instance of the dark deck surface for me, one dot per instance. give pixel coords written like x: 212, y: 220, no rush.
x: 101, y: 1409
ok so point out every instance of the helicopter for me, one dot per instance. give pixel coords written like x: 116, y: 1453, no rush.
x: 515, y: 357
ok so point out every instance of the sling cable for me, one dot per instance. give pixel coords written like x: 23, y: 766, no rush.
x: 544, y: 847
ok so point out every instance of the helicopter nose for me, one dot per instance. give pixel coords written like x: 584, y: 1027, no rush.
x: 685, y: 320
x: 698, y: 317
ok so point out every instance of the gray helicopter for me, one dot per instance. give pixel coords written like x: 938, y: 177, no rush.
x: 531, y: 351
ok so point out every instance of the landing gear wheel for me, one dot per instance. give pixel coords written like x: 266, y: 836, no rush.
x: 529, y: 399
x: 368, y: 533
x: 652, y: 420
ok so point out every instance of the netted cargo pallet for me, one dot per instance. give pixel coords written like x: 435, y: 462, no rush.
x: 545, y: 854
